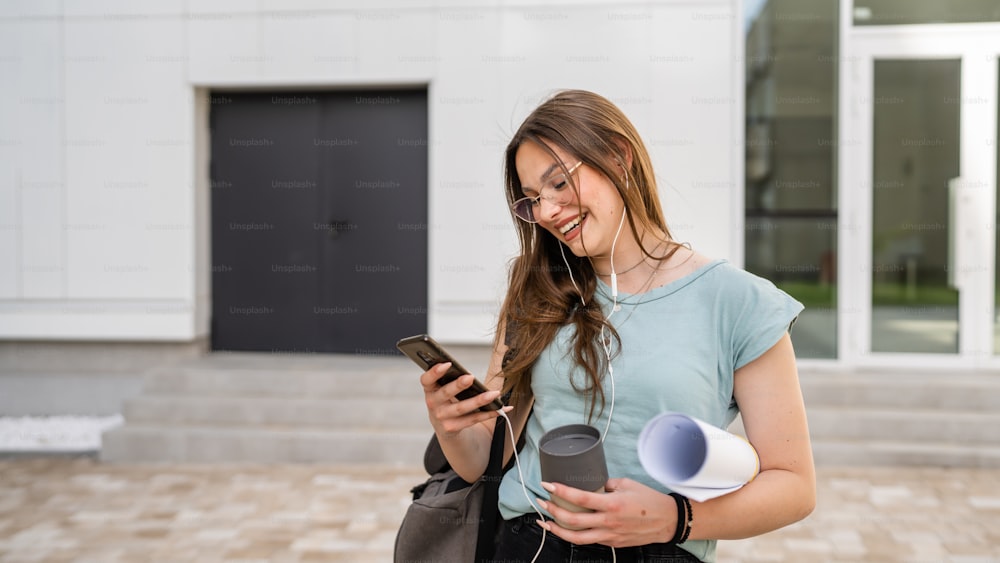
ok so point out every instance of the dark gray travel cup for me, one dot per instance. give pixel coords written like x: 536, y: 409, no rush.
x: 573, y: 455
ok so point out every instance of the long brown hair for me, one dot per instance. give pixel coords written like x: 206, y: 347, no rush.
x: 541, y: 297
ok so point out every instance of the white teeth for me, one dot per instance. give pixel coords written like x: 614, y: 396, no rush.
x: 571, y: 225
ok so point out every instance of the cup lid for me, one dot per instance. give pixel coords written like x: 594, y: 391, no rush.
x: 573, y: 455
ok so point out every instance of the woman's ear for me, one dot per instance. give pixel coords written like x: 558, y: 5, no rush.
x: 624, y: 156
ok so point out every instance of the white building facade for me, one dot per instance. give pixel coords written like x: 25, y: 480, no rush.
x: 105, y: 153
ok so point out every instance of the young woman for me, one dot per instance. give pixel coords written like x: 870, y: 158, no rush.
x: 610, y: 321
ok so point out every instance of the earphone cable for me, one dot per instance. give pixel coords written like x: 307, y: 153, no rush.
x: 524, y: 489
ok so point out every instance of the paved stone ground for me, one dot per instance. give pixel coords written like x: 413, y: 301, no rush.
x: 59, y: 509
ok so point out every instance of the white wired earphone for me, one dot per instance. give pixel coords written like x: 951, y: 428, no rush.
x: 605, y: 344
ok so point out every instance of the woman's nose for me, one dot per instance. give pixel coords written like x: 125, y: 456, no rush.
x: 548, y: 209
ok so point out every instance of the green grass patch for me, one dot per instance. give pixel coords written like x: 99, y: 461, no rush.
x: 821, y: 296
x: 899, y: 294
x: 811, y: 294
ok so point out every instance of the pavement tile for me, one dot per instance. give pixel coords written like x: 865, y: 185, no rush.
x: 986, y: 503
x: 78, y: 510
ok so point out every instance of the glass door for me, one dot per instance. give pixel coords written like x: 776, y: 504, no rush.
x: 920, y: 239
x: 996, y: 222
x: 915, y: 154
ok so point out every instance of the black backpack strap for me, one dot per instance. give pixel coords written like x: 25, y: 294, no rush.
x: 488, y: 520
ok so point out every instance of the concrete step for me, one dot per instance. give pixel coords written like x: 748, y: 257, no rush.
x: 348, y: 409
x: 275, y: 408
x: 136, y: 443
x: 979, y: 392
x: 886, y: 418
x: 918, y: 425
x: 359, y: 414
x: 40, y: 393
x: 896, y: 453
x: 398, y: 383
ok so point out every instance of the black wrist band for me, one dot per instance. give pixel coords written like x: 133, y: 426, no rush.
x: 689, y: 518
x: 681, y: 518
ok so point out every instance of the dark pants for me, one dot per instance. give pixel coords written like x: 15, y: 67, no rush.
x: 520, y: 538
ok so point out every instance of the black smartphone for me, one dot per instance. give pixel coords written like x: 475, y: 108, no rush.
x: 426, y: 353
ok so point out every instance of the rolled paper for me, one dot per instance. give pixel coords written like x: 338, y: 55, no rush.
x: 694, y: 458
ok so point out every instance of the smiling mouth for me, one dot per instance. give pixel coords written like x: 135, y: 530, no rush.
x: 573, y: 225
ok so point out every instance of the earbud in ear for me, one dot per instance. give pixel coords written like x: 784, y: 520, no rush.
x: 624, y: 168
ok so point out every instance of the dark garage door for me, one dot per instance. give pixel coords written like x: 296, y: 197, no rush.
x: 319, y: 220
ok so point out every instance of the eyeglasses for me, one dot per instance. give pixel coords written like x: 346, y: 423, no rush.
x: 554, y: 189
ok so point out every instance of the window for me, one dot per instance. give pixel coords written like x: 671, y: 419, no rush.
x: 899, y: 12
x: 791, y: 151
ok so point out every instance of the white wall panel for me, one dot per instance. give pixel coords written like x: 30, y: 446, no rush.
x: 116, y: 140
x: 39, y: 166
x: 223, y: 47
x: 296, y: 46
x: 396, y: 45
x: 31, y: 8
x: 469, y: 128
x: 128, y: 159
x: 122, y: 10
x: 667, y: 67
x: 10, y: 226
x: 695, y: 120
x: 10, y: 147
x: 217, y: 8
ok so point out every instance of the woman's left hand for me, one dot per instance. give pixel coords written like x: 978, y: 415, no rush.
x: 627, y: 514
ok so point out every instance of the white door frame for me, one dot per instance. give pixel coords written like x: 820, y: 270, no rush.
x: 977, y: 47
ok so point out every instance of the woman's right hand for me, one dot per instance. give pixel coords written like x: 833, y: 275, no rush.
x: 447, y: 413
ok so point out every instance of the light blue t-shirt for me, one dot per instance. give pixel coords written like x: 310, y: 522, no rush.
x: 679, y: 348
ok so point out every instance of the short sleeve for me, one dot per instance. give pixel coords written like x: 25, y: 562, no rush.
x: 762, y: 314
